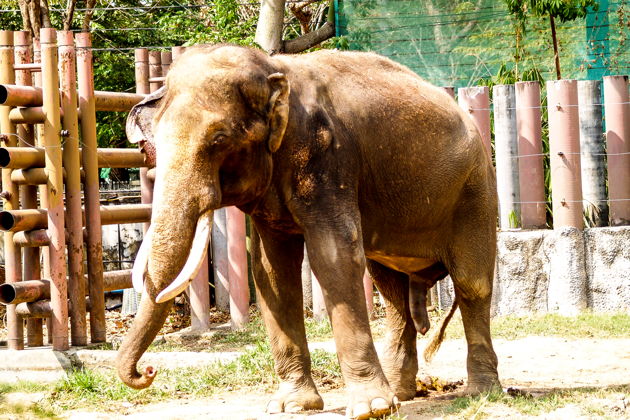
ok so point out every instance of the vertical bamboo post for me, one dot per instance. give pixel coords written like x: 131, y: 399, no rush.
x: 54, y: 170
x: 28, y: 193
x: 450, y: 90
x: 91, y: 187
x: 476, y: 101
x: 564, y: 145
x: 43, y: 189
x: 237, y: 258
x: 155, y: 69
x: 10, y: 195
x: 530, y: 162
x: 166, y: 58
x: 506, y: 155
x: 593, y: 151
x: 177, y: 51
x: 74, y: 212
x: 618, y: 142
x: 220, y: 262
x: 368, y: 287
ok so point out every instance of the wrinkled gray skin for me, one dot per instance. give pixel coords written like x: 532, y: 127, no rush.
x: 354, y: 156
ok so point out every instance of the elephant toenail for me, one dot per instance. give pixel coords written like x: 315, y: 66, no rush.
x: 359, y: 411
x: 292, y: 407
x: 379, y: 404
x: 274, y: 407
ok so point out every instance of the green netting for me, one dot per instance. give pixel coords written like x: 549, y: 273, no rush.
x: 456, y: 43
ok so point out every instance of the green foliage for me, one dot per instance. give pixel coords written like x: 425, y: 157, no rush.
x: 564, y: 10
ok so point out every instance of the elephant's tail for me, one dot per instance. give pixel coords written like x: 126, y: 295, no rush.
x: 438, y: 335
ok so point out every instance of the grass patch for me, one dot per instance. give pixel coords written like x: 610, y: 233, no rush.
x: 24, y: 409
x: 585, y: 325
x: 606, y: 402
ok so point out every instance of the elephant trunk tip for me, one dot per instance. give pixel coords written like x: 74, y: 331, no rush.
x: 136, y: 380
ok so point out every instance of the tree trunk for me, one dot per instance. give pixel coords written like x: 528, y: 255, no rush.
x: 88, y: 15
x: 270, y: 23
x: 67, y: 20
x: 555, y: 46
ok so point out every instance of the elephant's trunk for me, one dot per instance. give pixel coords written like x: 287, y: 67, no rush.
x: 147, y: 324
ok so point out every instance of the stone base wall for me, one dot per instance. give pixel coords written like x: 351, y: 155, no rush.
x: 563, y: 270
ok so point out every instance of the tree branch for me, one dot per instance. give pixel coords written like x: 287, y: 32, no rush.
x: 88, y: 15
x: 45, y: 14
x: 26, y: 20
x: 310, y: 39
x: 67, y: 20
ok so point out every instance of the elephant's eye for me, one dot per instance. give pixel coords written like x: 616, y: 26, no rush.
x: 219, y: 138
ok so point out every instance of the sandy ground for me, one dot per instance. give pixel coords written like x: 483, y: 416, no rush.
x: 533, y: 364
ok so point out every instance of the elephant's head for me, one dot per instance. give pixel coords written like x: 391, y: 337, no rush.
x: 222, y: 115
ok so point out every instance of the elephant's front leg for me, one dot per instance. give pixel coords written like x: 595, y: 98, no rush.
x: 277, y: 262
x: 336, y: 255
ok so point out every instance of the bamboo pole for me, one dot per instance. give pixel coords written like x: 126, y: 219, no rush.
x: 155, y: 69
x: 31, y: 268
x: 237, y: 258
x: 54, y: 168
x: 12, y: 257
x: 506, y: 155
x: 74, y: 232
x: 91, y: 187
x: 618, y: 146
x: 530, y: 162
x: 593, y: 149
x: 564, y: 145
x: 476, y: 102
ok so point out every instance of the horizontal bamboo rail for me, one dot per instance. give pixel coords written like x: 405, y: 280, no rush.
x: 34, y: 290
x: 28, y: 96
x: 31, y: 239
x: 28, y: 66
x: 34, y: 157
x: 31, y: 219
x: 40, y: 309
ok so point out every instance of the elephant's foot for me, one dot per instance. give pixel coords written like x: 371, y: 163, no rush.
x: 371, y: 400
x: 481, y: 385
x: 291, y: 398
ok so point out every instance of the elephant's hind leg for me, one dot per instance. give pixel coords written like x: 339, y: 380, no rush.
x: 400, y: 359
x: 277, y: 262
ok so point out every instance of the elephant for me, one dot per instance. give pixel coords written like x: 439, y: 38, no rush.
x: 347, y: 153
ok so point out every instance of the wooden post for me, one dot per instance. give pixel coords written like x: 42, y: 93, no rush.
x: 476, y: 101
x: 74, y: 211
x: 593, y: 149
x: 530, y: 162
x: 618, y: 142
x: 155, y: 69
x: 166, y: 58
x: 564, y: 145
x: 220, y: 263
x: 237, y: 257
x: 91, y: 187
x: 28, y: 193
x: 506, y: 153
x: 10, y: 195
x: 54, y: 169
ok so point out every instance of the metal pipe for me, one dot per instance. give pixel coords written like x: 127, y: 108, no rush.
x: 29, y: 177
x: 220, y: 263
x: 155, y: 70
x: 28, y: 193
x: 117, y: 280
x: 237, y: 258
x: 124, y: 213
x: 12, y: 255
x: 54, y: 168
x: 618, y: 147
x: 24, y: 291
x: 116, y: 101
x: 91, y: 187
x: 593, y: 148
x: 506, y: 153
x: 177, y: 51
x: 24, y: 219
x: 74, y: 212
x: 26, y: 66
x: 120, y: 158
x: 22, y: 157
x: 34, y: 157
x: 40, y: 309
x: 32, y: 239
x: 144, y: 87
x: 530, y: 162
x: 12, y: 95
x: 564, y: 145
x: 475, y: 101
x: 166, y: 59
x: 199, y: 294
x: 27, y: 115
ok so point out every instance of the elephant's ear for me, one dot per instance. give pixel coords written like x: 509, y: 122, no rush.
x: 278, y: 107
x: 139, y: 124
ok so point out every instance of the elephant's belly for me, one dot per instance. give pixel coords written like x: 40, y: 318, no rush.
x: 403, y: 264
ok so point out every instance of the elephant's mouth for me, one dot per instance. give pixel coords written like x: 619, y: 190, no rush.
x: 198, y: 251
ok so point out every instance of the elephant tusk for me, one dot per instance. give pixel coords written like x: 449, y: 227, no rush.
x: 198, y: 252
x: 141, y: 262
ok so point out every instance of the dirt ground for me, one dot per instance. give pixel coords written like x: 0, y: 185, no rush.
x: 534, y: 364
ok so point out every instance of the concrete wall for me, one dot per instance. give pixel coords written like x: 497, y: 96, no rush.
x: 562, y: 271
